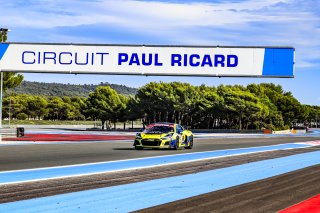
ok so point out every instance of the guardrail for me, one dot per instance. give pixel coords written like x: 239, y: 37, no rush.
x: 8, y: 132
x: 12, y: 132
x: 253, y: 131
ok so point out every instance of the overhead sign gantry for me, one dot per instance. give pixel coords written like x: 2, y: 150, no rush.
x: 215, y: 61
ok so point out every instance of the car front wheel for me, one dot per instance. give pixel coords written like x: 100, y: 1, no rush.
x: 176, y: 146
x: 190, y: 143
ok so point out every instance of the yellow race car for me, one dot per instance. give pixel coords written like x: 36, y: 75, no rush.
x: 164, y: 135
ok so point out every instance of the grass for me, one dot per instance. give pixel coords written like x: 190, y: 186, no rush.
x: 137, y: 124
x: 46, y: 122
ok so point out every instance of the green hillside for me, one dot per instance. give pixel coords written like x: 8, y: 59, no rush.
x: 71, y: 90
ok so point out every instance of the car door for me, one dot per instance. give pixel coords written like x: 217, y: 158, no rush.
x: 179, y: 129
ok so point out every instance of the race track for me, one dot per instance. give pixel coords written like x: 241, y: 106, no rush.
x: 231, y: 174
x: 49, y: 154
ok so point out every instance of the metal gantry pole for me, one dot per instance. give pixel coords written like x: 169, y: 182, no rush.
x: 3, y: 32
x: 10, y: 113
x: 2, y: 36
x: 1, y: 88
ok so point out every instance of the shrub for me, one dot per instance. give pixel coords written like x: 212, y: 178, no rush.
x: 22, y: 116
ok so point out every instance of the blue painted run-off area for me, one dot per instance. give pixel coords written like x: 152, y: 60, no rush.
x: 56, y: 172
x: 135, y: 196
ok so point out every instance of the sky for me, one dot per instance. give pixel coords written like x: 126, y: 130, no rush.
x: 293, y: 23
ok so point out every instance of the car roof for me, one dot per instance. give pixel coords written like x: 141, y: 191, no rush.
x: 161, y: 124
x: 168, y: 123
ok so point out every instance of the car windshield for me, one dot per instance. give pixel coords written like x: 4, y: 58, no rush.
x: 159, y: 129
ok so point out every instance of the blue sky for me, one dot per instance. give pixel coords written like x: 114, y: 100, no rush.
x: 247, y: 23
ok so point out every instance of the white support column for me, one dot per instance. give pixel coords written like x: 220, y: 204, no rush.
x: 1, y: 88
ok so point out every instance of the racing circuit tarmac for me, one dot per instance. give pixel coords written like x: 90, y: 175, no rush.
x: 57, y: 154
x: 269, y: 194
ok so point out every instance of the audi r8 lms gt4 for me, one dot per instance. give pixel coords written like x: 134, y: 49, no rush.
x: 164, y: 135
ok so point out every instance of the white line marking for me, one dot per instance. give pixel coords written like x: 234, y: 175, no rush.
x: 141, y: 167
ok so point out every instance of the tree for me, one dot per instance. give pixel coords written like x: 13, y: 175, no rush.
x: 56, y: 108
x: 18, y: 105
x: 241, y: 103
x: 76, y: 110
x: 209, y: 108
x: 120, y: 113
x: 36, y: 107
x: 134, y: 111
x: 256, y: 106
x: 186, y: 99
x: 103, y: 104
x: 290, y: 108
x: 11, y: 80
x: 150, y: 98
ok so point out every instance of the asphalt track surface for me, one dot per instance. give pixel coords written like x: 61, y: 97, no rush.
x: 48, y: 155
x: 264, y: 196
x: 122, y: 177
x: 268, y: 195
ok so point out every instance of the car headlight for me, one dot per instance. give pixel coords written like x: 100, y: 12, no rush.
x: 138, y: 136
x: 167, y: 137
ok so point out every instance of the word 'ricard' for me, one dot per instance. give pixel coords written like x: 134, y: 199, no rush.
x: 128, y: 59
